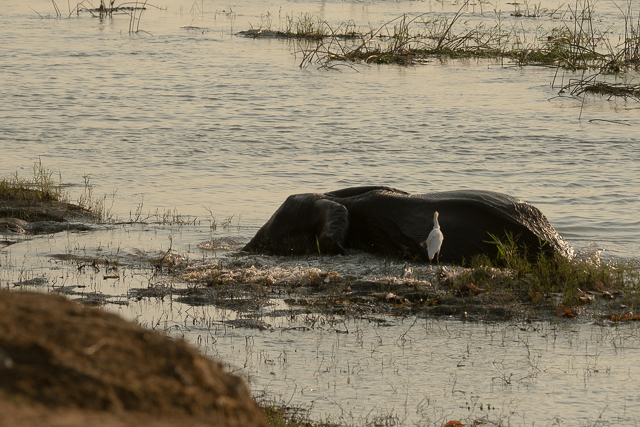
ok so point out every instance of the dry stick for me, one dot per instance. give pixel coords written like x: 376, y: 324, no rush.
x: 333, y: 38
x: 131, y: 19
x: 553, y: 82
x: 401, y: 337
x: 459, y: 41
x: 309, y: 55
x: 575, y: 25
x: 635, y: 35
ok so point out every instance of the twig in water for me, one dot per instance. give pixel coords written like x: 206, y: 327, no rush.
x: 401, y: 337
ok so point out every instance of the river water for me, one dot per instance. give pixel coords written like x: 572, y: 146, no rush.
x: 187, y: 117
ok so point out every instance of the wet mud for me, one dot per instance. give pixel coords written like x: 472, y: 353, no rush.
x: 361, y: 284
x: 30, y: 216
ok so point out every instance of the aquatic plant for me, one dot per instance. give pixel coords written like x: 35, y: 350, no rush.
x: 599, y: 85
x: 173, y: 217
x: 407, y: 39
x: 305, y: 26
x: 575, y: 44
x: 97, y: 206
x: 282, y: 414
x: 44, y: 188
x: 107, y: 10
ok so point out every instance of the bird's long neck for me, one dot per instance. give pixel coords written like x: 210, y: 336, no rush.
x: 435, y: 221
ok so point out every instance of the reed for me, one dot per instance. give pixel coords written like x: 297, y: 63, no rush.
x: 45, y: 188
x: 96, y: 205
x: 135, y: 14
x: 110, y: 8
x: 575, y: 44
x: 173, y: 217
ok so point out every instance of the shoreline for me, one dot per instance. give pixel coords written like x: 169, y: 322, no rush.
x: 350, y: 285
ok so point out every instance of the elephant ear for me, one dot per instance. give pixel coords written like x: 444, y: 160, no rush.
x: 331, y: 225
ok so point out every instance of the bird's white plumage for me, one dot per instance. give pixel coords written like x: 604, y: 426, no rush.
x: 434, y: 241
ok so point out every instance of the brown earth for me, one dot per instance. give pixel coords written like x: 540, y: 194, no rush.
x: 32, y: 213
x: 64, y: 364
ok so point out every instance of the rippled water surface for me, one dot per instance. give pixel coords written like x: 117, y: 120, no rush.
x: 189, y: 117
x: 185, y: 118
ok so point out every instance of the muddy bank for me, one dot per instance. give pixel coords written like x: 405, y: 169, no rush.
x: 30, y: 213
x: 65, y: 364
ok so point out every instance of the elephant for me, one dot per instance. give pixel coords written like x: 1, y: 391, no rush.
x: 395, y: 223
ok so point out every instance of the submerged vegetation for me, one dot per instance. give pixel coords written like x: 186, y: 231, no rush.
x: 134, y: 9
x: 570, y: 40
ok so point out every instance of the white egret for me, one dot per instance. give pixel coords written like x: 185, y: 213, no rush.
x: 434, y: 241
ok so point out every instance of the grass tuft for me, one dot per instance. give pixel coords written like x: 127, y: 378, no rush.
x: 282, y: 415
x: 549, y: 275
x: 41, y: 188
x: 44, y: 189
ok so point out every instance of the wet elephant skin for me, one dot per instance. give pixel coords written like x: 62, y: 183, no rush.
x: 395, y: 223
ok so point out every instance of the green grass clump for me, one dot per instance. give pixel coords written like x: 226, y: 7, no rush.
x: 282, y: 415
x: 21, y: 195
x: 549, y: 274
x: 305, y: 26
x: 41, y: 188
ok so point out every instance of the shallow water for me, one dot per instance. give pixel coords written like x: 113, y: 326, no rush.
x: 354, y: 370
x: 429, y: 372
x: 198, y: 120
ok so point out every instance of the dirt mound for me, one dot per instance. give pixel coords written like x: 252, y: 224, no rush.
x: 65, y: 364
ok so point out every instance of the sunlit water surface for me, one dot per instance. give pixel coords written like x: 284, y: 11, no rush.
x: 203, y: 123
